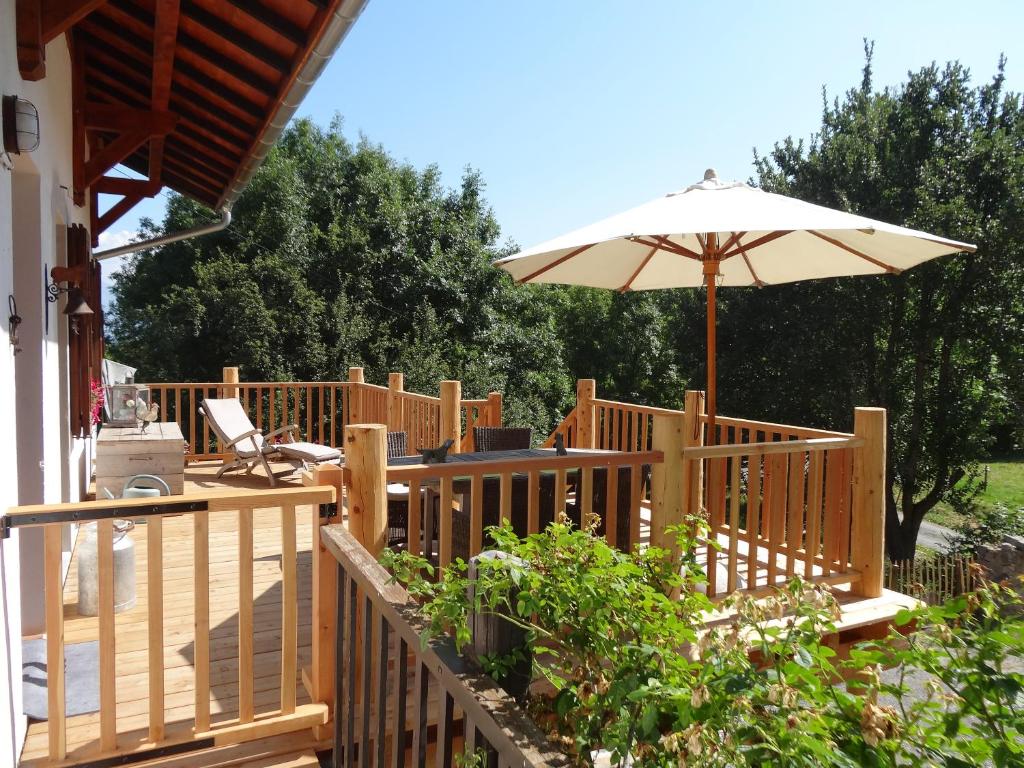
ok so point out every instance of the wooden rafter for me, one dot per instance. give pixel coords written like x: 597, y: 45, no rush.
x: 112, y: 154
x: 114, y: 117
x: 165, y: 33
x: 272, y: 21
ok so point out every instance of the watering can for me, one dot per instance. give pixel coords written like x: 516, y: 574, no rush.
x: 136, y: 488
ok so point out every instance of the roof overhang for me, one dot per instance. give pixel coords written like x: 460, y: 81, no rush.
x: 189, y: 94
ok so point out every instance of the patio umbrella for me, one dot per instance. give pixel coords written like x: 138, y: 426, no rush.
x: 724, y: 233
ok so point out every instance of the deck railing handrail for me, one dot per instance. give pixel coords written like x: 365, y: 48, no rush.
x: 490, y: 717
x: 107, y: 741
x: 772, y: 447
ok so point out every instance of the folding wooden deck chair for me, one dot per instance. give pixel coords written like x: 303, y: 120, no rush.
x: 250, y: 447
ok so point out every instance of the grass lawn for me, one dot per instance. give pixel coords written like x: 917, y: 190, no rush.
x: 1005, y: 486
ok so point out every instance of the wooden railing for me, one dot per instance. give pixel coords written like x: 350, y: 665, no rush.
x: 778, y: 509
x: 607, y: 424
x: 471, y: 495
x: 781, y: 499
x: 390, y: 682
x: 322, y: 409
x: 219, y: 532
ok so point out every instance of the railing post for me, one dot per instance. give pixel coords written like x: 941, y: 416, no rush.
x: 867, y: 534
x: 667, y: 480
x: 366, y: 458
x: 451, y: 414
x: 586, y: 391
x: 693, y: 437
x: 355, y: 396
x: 396, y: 385
x: 494, y: 405
x: 230, y: 377
x: 320, y: 682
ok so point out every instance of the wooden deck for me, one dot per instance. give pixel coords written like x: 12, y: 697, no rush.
x: 132, y: 636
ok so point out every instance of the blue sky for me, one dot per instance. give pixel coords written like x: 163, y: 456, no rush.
x: 576, y: 110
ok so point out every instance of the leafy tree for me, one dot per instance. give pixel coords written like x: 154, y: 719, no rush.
x: 339, y: 255
x: 939, y: 346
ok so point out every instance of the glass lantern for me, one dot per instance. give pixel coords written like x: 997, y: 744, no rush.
x: 126, y: 404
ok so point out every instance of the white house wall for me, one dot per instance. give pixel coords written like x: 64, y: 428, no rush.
x: 42, y: 463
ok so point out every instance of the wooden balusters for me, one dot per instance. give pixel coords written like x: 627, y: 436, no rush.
x: 155, y: 604
x: 108, y: 693
x: 54, y: 609
x: 246, y: 711
x: 201, y: 569
x: 289, y: 608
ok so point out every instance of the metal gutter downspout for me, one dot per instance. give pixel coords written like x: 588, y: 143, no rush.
x: 334, y: 32
x: 154, y: 242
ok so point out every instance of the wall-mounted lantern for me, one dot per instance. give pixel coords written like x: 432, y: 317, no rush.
x: 20, y: 120
x: 77, y: 305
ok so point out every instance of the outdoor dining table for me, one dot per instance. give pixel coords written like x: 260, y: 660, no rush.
x: 461, y: 486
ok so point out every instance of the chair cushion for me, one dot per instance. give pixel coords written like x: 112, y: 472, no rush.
x: 308, y: 452
x: 400, y: 491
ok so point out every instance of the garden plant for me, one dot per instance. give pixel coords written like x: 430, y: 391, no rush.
x: 626, y: 668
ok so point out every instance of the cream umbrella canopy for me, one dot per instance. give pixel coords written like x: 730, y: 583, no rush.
x: 724, y: 233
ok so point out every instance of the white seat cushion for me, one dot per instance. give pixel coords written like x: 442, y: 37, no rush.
x: 310, y: 452
x: 400, y: 491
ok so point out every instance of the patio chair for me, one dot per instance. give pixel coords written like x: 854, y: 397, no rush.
x: 501, y: 438
x: 622, y: 502
x: 250, y: 446
x: 492, y: 510
x: 398, y: 493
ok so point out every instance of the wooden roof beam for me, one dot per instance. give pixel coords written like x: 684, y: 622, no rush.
x: 28, y: 31
x: 58, y: 16
x: 124, y: 145
x: 116, y: 211
x: 117, y: 185
x: 110, y: 117
x: 165, y: 33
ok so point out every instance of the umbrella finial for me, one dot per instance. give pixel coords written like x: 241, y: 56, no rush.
x: 710, y: 175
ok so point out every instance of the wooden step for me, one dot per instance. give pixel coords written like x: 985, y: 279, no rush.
x: 290, y: 750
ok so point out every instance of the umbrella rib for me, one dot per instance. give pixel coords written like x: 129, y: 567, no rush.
x: 555, y: 263
x: 639, y: 269
x: 746, y: 260
x: 839, y: 244
x: 758, y: 242
x: 668, y: 245
x: 732, y: 241
x: 664, y: 244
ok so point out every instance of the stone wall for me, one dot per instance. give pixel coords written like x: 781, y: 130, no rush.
x: 1004, y: 561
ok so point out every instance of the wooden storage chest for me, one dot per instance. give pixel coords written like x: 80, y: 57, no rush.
x: 122, y: 452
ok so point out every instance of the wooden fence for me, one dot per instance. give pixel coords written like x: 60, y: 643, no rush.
x: 933, y: 580
x: 467, y: 712
x: 199, y: 559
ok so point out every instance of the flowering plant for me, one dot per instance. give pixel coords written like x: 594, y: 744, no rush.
x: 622, y: 665
x: 96, y: 400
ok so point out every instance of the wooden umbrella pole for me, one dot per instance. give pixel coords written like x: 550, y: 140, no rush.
x: 712, y: 384
x: 711, y: 264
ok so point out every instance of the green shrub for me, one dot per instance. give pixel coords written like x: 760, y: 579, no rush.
x: 632, y: 667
